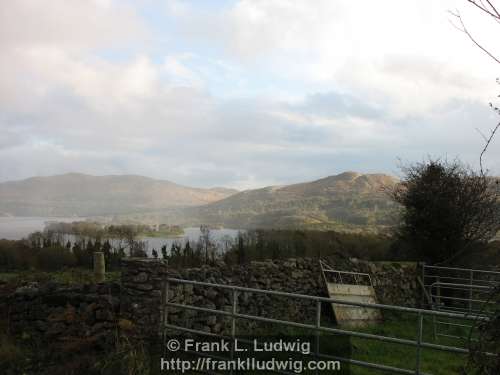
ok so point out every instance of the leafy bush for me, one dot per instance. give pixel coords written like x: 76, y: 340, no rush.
x: 12, y: 357
x: 16, y: 255
x: 448, y: 210
x: 55, y: 258
x: 282, y: 244
x: 479, y: 361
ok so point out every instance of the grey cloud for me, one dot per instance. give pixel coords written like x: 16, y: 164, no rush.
x: 71, y: 24
x: 418, y: 68
x: 240, y: 143
x: 339, y: 105
x: 74, y: 116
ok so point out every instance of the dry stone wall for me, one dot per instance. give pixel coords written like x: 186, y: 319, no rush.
x: 67, y: 324
x: 92, y: 312
x: 394, y: 283
x: 141, y: 296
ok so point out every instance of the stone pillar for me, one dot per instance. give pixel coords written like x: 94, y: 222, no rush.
x: 99, y: 267
x: 141, y: 303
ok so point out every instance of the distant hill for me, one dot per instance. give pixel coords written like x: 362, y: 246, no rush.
x: 85, y: 195
x: 346, y: 201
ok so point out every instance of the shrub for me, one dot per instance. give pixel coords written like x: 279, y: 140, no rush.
x: 448, y: 210
x: 16, y: 255
x: 55, y: 258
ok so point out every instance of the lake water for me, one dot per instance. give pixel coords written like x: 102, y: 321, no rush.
x: 16, y: 228
x: 221, y: 237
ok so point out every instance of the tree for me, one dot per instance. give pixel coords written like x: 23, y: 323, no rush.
x: 492, y: 13
x: 187, y: 254
x: 106, y: 249
x: 175, y: 251
x: 447, y: 209
x: 241, y: 250
x: 138, y: 249
x: 55, y: 258
x: 487, y: 8
x: 206, y: 241
x: 489, y: 337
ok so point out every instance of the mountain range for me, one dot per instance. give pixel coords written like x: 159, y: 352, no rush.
x: 76, y: 194
x: 349, y: 200
x: 346, y: 201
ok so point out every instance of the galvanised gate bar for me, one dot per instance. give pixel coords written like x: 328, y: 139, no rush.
x: 234, y: 316
x: 459, y: 290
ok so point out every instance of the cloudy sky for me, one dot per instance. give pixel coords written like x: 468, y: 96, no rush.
x: 241, y: 93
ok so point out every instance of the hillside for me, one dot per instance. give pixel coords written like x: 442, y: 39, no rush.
x: 85, y: 195
x: 346, y: 201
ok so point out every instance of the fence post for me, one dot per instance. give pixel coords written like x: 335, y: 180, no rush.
x: 438, y: 291
x: 471, y: 279
x: 186, y: 318
x: 99, y: 267
x: 419, y: 341
x: 316, y: 331
x: 422, y: 302
x: 234, y: 309
x: 165, y: 311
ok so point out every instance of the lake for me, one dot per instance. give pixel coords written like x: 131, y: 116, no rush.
x: 16, y: 228
x: 219, y: 236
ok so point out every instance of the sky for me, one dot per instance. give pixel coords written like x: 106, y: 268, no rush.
x: 244, y: 93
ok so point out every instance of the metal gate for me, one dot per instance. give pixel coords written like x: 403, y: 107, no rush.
x: 351, y: 286
x: 317, y: 328
x: 459, y: 290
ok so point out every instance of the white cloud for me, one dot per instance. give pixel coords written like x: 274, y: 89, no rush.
x: 50, y: 46
x: 179, y: 73
x: 73, y: 25
x: 258, y: 93
x: 406, y: 53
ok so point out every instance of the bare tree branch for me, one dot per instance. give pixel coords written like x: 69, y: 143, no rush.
x: 463, y: 29
x: 493, y: 8
x: 493, y: 13
x: 488, y: 141
x: 482, y: 134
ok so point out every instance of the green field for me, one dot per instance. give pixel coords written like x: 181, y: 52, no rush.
x: 402, y: 356
x: 66, y: 276
x: 164, y: 233
x: 403, y: 326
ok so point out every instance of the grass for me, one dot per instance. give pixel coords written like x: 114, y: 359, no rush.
x: 65, y: 276
x: 396, y: 355
x: 432, y: 361
x: 164, y: 233
x: 159, y: 235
